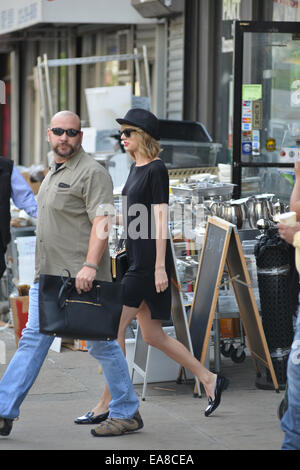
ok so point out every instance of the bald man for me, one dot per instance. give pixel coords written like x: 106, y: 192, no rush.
x: 70, y: 202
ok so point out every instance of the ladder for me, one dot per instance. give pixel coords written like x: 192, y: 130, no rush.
x: 44, y: 64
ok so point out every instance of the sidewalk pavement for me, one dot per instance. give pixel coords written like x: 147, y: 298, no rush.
x: 70, y: 384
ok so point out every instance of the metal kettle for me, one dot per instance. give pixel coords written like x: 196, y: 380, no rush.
x: 213, y: 206
x: 258, y: 208
x: 234, y: 213
x: 277, y: 208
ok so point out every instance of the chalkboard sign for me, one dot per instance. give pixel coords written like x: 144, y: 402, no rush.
x: 211, y: 267
x: 222, y: 246
x: 241, y: 283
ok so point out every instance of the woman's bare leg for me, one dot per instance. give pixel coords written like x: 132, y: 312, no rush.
x: 154, y: 335
x: 128, y: 314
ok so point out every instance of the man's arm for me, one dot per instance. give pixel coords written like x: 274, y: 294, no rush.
x: 97, y: 245
x: 22, y: 194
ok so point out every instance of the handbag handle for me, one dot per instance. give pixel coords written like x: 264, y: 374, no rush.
x: 65, y: 282
x: 67, y: 287
x: 121, y: 242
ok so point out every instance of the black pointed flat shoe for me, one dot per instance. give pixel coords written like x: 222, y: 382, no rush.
x: 221, y: 385
x: 90, y: 418
x: 5, y: 426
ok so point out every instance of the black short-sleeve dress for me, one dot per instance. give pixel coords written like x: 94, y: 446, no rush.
x: 146, y: 186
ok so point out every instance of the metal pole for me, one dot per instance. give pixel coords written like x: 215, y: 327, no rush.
x: 137, y: 68
x: 42, y: 91
x: 48, y: 88
x: 146, y: 63
x: 90, y: 60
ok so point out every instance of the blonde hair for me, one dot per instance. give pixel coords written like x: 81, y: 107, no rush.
x: 148, y: 146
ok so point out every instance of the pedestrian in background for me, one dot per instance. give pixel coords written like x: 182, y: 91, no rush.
x: 290, y: 422
x: 12, y: 185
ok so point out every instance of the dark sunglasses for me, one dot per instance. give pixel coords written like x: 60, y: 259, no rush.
x: 127, y: 132
x: 59, y: 131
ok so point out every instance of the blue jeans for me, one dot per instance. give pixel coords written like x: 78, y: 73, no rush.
x: 31, y: 353
x: 290, y: 422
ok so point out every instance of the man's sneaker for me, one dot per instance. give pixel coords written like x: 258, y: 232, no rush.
x: 118, y: 427
x: 5, y: 426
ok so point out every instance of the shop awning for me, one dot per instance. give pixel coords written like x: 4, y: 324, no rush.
x: 19, y: 14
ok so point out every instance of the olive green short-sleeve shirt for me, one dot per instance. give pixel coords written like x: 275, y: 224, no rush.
x: 68, y: 201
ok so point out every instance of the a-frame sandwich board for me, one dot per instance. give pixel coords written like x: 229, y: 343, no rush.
x: 222, y: 246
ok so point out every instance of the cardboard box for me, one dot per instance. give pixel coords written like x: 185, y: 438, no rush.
x: 19, y: 306
x: 35, y: 186
x: 80, y: 345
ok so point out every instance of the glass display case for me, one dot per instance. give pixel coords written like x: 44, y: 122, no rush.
x: 266, y: 124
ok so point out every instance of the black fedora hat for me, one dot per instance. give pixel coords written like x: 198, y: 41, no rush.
x: 142, y: 119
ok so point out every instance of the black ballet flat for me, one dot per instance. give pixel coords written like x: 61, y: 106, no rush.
x: 221, y: 385
x: 5, y: 426
x: 90, y: 418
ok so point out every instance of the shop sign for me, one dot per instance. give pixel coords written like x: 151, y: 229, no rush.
x: 271, y: 144
x: 246, y: 116
x: 288, y: 3
x: 255, y: 142
x: 257, y: 114
x: 227, y: 45
x: 247, y: 148
x: 252, y: 92
x: 19, y: 14
x: 231, y: 9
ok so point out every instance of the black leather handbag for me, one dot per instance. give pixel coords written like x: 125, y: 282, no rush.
x: 119, y: 262
x: 93, y: 315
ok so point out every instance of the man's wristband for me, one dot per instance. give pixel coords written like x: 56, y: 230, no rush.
x: 90, y: 265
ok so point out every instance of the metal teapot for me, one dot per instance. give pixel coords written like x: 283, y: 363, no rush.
x: 234, y: 213
x: 213, y: 206
x: 259, y: 207
x: 277, y: 208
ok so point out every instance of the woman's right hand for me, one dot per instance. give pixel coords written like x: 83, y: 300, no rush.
x: 161, y: 280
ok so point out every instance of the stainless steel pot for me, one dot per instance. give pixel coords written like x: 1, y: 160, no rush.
x: 233, y: 213
x: 277, y: 208
x: 259, y: 207
x: 212, y: 205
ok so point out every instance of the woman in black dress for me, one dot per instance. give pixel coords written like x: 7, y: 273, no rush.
x: 146, y: 285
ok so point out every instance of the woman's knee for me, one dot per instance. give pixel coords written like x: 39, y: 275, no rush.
x: 153, y: 337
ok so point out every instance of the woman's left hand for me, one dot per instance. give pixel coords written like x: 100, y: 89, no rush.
x: 161, y: 280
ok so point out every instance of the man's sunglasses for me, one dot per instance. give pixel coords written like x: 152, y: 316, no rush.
x: 127, y: 132
x: 59, y: 131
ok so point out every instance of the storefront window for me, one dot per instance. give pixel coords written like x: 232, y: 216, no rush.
x: 231, y: 10
x: 63, y: 84
x: 111, y: 68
